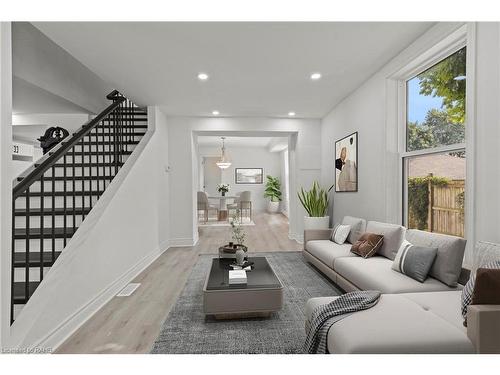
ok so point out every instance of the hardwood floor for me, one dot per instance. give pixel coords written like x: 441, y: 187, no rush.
x: 131, y: 324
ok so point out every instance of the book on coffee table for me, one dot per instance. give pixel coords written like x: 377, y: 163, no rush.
x: 237, y: 277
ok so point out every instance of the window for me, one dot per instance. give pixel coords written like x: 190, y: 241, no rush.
x: 434, y: 161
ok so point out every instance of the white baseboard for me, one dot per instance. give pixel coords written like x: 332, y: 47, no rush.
x: 182, y: 242
x: 296, y: 237
x: 61, y: 333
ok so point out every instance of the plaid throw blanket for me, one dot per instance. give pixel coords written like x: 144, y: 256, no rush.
x: 324, y: 316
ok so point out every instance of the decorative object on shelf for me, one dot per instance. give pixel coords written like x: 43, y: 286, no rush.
x: 240, y: 257
x: 223, y: 162
x: 249, y: 176
x: 223, y: 189
x: 346, y: 164
x: 229, y: 251
x: 237, y: 277
x: 315, y: 202
x: 273, y: 191
x: 52, y: 137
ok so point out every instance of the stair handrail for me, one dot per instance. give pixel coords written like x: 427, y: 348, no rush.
x: 65, y: 145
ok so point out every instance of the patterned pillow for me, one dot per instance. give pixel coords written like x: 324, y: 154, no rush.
x: 468, y: 290
x: 340, y: 233
x: 414, y: 261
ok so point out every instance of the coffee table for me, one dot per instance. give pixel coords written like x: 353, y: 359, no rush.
x: 260, y: 296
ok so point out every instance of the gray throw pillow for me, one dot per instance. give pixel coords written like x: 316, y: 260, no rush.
x: 414, y: 261
x: 358, y: 226
x: 450, y: 255
x: 393, y: 237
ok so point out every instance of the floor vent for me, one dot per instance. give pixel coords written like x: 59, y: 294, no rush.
x: 128, y: 290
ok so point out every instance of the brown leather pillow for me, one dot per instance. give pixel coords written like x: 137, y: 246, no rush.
x: 487, y: 287
x: 367, y: 245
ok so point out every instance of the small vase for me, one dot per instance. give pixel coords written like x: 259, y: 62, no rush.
x: 240, y: 257
x: 223, y: 193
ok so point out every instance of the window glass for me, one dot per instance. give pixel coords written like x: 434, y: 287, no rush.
x: 436, y: 104
x: 436, y: 192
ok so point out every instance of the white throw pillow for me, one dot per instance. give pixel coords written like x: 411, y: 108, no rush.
x: 340, y: 233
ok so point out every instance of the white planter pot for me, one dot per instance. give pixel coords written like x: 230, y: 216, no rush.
x: 316, y: 222
x: 273, y: 207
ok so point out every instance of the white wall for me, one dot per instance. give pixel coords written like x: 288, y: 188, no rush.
x: 5, y: 178
x: 125, y: 231
x: 487, y: 133
x: 39, y: 61
x: 304, y: 152
x: 285, y: 183
x: 369, y: 111
x: 246, y: 157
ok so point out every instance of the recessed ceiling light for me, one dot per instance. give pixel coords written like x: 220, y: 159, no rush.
x: 215, y: 113
x: 315, y: 76
x: 202, y: 76
x: 291, y: 113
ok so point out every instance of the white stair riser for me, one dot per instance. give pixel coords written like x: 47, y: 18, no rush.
x: 102, y: 158
x: 80, y: 171
x: 34, y: 274
x: 59, y: 202
x: 35, y: 245
x: 79, y: 185
x: 34, y: 221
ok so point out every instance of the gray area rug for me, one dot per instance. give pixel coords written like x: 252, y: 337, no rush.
x: 187, y: 331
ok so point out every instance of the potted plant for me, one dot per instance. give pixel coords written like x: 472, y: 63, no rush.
x: 273, y: 191
x: 315, y: 202
x: 223, y: 189
x: 238, y: 236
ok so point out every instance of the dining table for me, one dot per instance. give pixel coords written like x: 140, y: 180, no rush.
x: 223, y: 212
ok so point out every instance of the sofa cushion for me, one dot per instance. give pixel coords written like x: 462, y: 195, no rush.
x: 327, y: 251
x: 393, y: 237
x: 414, y: 261
x: 401, y: 323
x: 358, y: 227
x: 367, y: 245
x: 448, y: 263
x: 376, y: 273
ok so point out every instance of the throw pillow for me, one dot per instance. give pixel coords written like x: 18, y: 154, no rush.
x: 487, y: 287
x: 468, y: 290
x: 340, y: 233
x: 414, y: 261
x: 393, y: 237
x: 448, y: 263
x: 367, y: 245
x: 358, y: 226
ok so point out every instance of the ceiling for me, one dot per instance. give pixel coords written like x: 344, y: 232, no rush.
x: 29, y: 98
x: 234, y: 142
x: 255, y: 69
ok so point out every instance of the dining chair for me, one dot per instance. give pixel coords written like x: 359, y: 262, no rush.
x: 235, y: 205
x: 204, y: 205
x: 245, y: 203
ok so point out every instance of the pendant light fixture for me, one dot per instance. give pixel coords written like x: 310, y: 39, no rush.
x: 223, y: 163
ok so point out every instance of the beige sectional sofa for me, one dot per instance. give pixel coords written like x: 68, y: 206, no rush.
x: 410, y: 317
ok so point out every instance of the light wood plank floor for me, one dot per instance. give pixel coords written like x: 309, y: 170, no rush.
x: 131, y: 324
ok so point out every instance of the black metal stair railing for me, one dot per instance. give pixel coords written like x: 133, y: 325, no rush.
x: 45, y: 215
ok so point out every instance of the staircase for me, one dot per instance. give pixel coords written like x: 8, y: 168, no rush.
x: 51, y: 200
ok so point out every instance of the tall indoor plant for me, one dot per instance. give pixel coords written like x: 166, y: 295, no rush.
x: 315, y: 202
x: 273, y: 191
